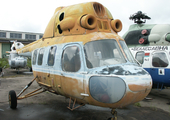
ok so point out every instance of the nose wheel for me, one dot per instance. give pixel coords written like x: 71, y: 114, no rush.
x: 114, y: 115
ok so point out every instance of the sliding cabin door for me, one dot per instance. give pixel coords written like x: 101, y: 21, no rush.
x: 72, y: 66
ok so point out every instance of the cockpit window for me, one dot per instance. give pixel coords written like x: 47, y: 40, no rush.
x: 159, y: 60
x: 140, y: 56
x: 127, y: 52
x: 103, y: 52
x: 71, y: 59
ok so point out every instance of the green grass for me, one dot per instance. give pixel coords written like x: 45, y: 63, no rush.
x: 137, y: 104
x: 29, y: 62
x: 4, y: 63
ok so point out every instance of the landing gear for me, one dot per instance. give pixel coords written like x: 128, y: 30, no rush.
x: 30, y: 69
x: 114, y: 115
x: 12, y: 99
x: 73, y: 107
x: 17, y: 71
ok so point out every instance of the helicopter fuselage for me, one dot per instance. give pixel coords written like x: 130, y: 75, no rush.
x: 94, y: 70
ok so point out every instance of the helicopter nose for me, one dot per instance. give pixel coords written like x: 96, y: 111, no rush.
x: 141, y: 88
x: 109, y: 89
x: 137, y: 89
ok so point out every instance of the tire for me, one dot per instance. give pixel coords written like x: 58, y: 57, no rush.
x: 30, y: 69
x: 12, y: 99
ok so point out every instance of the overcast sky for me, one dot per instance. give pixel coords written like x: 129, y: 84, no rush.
x: 34, y: 15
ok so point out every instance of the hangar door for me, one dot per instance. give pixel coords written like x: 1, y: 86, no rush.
x: 5, y: 47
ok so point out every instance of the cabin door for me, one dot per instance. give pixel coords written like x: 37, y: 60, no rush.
x: 159, y: 67
x: 72, y: 66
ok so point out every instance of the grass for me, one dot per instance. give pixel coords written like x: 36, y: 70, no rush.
x: 137, y: 104
x: 4, y: 63
x: 29, y: 62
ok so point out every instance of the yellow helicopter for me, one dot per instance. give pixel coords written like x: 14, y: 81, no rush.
x: 81, y: 57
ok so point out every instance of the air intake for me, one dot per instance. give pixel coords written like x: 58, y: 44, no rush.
x: 116, y: 25
x: 88, y: 22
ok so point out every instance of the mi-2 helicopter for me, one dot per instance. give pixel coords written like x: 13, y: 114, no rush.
x: 81, y: 57
x: 16, y: 61
x: 150, y: 45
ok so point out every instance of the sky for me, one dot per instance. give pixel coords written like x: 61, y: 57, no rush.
x: 34, y: 15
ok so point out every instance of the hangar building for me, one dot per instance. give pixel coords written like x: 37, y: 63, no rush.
x: 7, y: 38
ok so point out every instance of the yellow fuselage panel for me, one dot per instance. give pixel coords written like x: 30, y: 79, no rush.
x: 70, y: 87
x: 68, y: 39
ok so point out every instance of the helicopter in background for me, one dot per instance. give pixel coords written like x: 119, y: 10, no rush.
x: 17, y: 61
x: 150, y: 45
x: 82, y: 57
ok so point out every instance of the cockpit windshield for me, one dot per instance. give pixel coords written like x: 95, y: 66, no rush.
x: 127, y: 51
x: 103, y: 52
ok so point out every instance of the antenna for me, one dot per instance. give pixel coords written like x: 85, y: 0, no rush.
x: 138, y: 16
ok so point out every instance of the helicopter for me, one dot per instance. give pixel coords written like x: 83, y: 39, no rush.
x: 150, y: 45
x: 82, y: 57
x: 17, y: 61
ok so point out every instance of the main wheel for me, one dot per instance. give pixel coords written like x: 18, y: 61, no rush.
x: 12, y: 99
x: 30, y: 69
